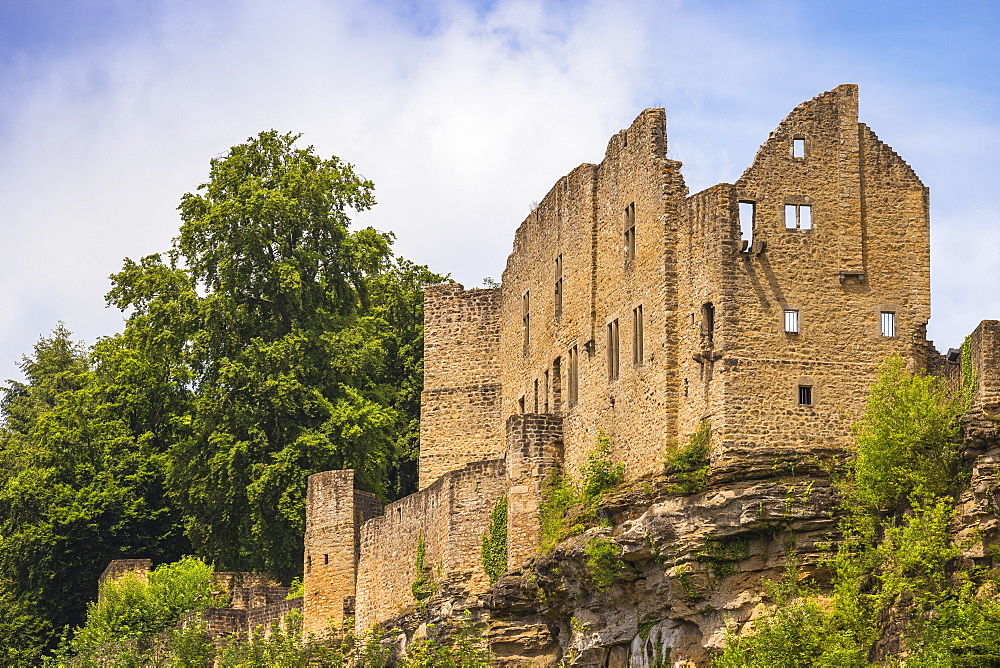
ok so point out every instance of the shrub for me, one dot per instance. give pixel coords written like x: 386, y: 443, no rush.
x: 604, y: 559
x: 422, y: 586
x: 689, y: 464
x: 599, y: 474
x: 905, y: 440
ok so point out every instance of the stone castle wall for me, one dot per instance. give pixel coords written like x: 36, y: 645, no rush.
x: 450, y: 517
x: 575, y: 243
x: 984, y: 344
x: 460, y: 406
x: 520, y: 379
x: 336, y: 512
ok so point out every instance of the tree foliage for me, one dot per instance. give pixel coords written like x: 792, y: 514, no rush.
x: 269, y: 342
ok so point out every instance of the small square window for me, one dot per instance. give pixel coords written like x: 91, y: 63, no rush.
x: 791, y: 322
x: 888, y: 323
x: 805, y: 395
x: 798, y: 217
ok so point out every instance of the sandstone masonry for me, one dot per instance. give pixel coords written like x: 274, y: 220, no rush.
x: 629, y: 306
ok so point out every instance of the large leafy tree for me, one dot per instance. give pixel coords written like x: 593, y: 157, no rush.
x: 81, y: 483
x: 266, y: 301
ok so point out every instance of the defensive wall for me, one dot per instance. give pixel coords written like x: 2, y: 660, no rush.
x: 628, y: 306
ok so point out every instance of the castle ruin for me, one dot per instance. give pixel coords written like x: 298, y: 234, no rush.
x: 628, y: 306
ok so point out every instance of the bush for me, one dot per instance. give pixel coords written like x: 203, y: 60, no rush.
x: 905, y: 441
x: 138, y: 607
x: 604, y: 559
x: 599, y: 474
x: 689, y: 464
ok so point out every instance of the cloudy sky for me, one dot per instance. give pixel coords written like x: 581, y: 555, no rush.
x: 463, y: 113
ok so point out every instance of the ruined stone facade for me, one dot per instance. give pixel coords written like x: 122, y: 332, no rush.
x: 630, y: 307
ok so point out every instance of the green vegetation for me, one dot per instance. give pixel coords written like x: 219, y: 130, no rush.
x: 269, y: 342
x: 423, y: 584
x: 495, y: 542
x: 604, y: 561
x: 689, y: 464
x: 137, y: 607
x: 896, y: 565
x: 135, y: 624
x: 723, y: 555
x: 566, y: 506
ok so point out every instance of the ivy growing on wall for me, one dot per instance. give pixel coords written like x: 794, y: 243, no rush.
x: 495, y: 542
x: 689, y: 463
x: 423, y: 585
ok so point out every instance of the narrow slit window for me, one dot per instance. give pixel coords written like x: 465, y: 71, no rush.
x: 520, y: 405
x: 708, y: 322
x: 630, y: 232
x: 545, y: 389
x: 559, y: 287
x: 798, y: 217
x: 557, y: 385
x: 613, y: 358
x: 799, y: 147
x: 791, y: 322
x: 747, y: 212
x: 573, y: 382
x: 888, y: 323
x: 535, y: 407
x: 805, y: 395
x: 526, y: 318
x: 637, y: 345
x: 326, y: 559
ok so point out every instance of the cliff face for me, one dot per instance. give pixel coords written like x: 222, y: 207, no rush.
x: 692, y: 566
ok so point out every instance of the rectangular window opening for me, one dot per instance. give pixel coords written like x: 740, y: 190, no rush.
x: 546, y: 391
x: 708, y: 321
x: 535, y: 409
x: 637, y: 343
x: 573, y: 382
x: 613, y: 358
x: 747, y: 213
x: 888, y: 323
x: 520, y: 405
x: 630, y: 232
x: 798, y: 217
x: 805, y: 395
x: 791, y: 322
x: 798, y: 147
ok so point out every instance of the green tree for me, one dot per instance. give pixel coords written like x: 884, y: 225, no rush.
x: 80, y: 485
x: 299, y: 341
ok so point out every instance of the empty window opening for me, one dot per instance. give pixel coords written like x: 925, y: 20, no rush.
x: 805, y: 395
x: 799, y: 147
x: 613, y: 357
x: 573, y: 383
x: 526, y: 319
x: 637, y: 345
x: 747, y: 212
x: 708, y: 321
x: 630, y: 232
x: 888, y: 323
x: 309, y: 562
x: 791, y: 322
x: 798, y: 217
x: 536, y: 397
x: 546, y: 391
x: 326, y: 559
x: 520, y: 405
x: 559, y: 287
x: 399, y: 513
x: 556, y: 385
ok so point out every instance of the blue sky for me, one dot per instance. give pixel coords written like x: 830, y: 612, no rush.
x: 462, y: 113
